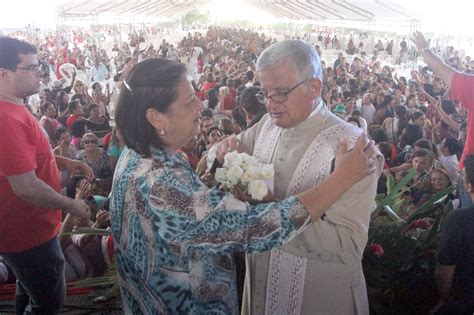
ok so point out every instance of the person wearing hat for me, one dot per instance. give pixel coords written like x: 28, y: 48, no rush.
x: 340, y: 111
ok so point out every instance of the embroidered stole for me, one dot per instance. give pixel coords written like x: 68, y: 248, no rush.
x: 286, y: 274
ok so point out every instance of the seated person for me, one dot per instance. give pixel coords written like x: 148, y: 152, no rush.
x: 94, y: 156
x: 84, y: 254
x: 439, y: 180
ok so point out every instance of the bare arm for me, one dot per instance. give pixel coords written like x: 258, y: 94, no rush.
x: 28, y: 187
x: 446, y: 118
x: 74, y: 166
x: 432, y: 60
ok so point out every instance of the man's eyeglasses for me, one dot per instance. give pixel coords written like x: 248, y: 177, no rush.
x: 279, y: 97
x: 34, y: 68
x: 89, y: 141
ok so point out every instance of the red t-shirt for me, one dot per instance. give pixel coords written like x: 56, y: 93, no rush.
x: 229, y: 102
x: 24, y: 148
x: 462, y: 87
x: 206, y: 86
x: 72, y: 119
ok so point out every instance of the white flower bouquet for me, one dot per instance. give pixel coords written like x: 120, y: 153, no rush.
x: 245, y: 171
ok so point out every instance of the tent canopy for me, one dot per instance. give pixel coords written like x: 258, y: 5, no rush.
x: 362, y: 10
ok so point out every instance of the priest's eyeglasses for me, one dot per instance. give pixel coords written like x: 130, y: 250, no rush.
x: 278, y: 97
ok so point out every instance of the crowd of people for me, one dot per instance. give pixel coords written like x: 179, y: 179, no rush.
x: 174, y: 232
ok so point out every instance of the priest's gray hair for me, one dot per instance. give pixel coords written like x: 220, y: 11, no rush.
x: 301, y: 55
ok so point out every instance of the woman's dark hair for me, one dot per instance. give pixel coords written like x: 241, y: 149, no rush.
x: 91, y: 107
x: 387, y: 99
x: 427, y: 144
x: 422, y: 153
x: 227, y: 127
x: 452, y: 145
x: 78, y: 128
x: 153, y: 83
x: 410, y: 96
x: 44, y: 107
x: 10, y: 48
x: 94, y: 85
x: 386, y: 150
x: 239, y: 117
x: 355, y: 112
x: 212, y: 98
x: 400, y: 112
x: 378, y: 135
x: 410, y: 135
x: 61, y: 105
x: 207, y: 112
x: 249, y: 101
x: 448, y: 106
x: 417, y: 115
x: 73, y: 105
x: 354, y: 120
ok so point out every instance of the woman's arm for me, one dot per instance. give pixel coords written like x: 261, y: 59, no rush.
x: 446, y: 118
x: 234, y: 225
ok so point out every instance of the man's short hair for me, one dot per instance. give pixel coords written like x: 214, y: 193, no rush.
x: 302, y: 56
x: 10, y: 48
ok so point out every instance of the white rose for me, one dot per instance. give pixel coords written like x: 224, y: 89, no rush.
x: 267, y: 172
x: 234, y: 173
x: 248, y: 160
x: 249, y: 174
x: 232, y: 159
x: 257, y: 189
x: 221, y: 175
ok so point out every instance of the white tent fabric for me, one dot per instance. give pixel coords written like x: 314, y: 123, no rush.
x: 358, y: 10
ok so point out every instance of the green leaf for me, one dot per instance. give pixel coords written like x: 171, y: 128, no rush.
x: 430, y: 206
x: 89, y: 231
x: 396, y: 190
x: 390, y: 183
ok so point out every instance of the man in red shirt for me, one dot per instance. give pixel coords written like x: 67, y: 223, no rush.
x: 30, y: 215
x: 462, y: 89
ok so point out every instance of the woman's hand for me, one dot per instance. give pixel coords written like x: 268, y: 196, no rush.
x: 242, y: 195
x: 420, y: 41
x: 357, y: 163
x: 102, y: 219
x: 84, y: 190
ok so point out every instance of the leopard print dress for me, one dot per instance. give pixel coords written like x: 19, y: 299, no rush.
x: 174, y: 236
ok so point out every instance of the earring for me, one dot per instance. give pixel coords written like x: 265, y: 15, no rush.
x: 162, y: 132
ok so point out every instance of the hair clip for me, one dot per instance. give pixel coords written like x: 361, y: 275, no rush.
x: 127, y: 86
